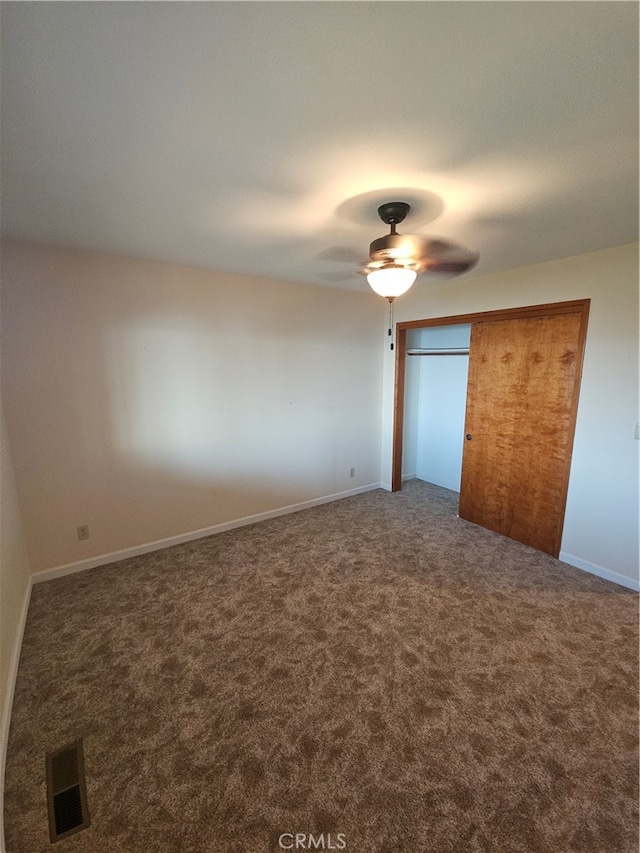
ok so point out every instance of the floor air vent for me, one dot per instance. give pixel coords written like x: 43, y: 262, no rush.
x: 66, y: 792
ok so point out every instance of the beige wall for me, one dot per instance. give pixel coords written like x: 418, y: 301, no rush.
x: 149, y: 400
x: 601, y: 522
x: 14, y: 563
x: 14, y: 596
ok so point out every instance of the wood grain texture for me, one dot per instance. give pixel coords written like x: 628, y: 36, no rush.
x: 521, y: 400
x: 398, y: 422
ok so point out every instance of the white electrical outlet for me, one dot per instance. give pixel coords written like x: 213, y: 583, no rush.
x: 83, y: 531
x: 637, y: 432
x: 352, y: 473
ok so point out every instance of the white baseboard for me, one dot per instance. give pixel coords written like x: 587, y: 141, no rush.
x: 600, y: 571
x: 7, y: 705
x: 449, y: 485
x: 148, y: 547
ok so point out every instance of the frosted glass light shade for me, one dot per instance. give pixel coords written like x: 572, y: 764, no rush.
x: 391, y: 281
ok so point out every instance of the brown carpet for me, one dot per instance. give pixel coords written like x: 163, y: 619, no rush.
x: 375, y: 667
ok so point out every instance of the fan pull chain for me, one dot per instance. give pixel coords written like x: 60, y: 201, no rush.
x: 390, y: 332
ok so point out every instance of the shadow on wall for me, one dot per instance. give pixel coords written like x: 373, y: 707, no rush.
x: 149, y: 400
x: 178, y: 403
x: 174, y: 429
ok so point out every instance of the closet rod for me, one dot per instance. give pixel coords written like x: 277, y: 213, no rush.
x: 439, y: 351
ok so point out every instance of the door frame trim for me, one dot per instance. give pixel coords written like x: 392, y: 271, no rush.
x: 576, y: 306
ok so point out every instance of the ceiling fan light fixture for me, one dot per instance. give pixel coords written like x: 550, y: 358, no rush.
x: 391, y: 280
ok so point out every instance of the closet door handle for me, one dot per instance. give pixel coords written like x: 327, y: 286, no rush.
x: 468, y: 436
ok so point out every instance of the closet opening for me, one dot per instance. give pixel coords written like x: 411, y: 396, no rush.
x: 436, y: 371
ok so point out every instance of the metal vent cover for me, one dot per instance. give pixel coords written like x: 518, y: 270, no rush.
x: 66, y: 792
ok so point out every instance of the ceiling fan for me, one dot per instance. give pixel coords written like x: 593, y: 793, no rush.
x: 396, y: 259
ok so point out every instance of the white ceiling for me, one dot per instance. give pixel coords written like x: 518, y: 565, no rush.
x: 254, y: 136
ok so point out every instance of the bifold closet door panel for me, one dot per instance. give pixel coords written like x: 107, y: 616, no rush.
x: 520, y: 416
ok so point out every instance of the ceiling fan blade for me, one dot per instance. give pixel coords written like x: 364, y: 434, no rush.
x: 426, y: 247
x: 412, y: 251
x: 449, y: 267
x: 422, y: 247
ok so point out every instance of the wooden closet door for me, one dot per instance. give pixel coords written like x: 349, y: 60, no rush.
x: 522, y: 395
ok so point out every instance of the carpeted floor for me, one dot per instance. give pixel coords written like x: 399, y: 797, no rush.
x: 375, y: 670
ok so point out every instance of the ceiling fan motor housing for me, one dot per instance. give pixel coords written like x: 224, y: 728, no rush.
x: 412, y: 251
x: 393, y: 246
x: 390, y: 247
